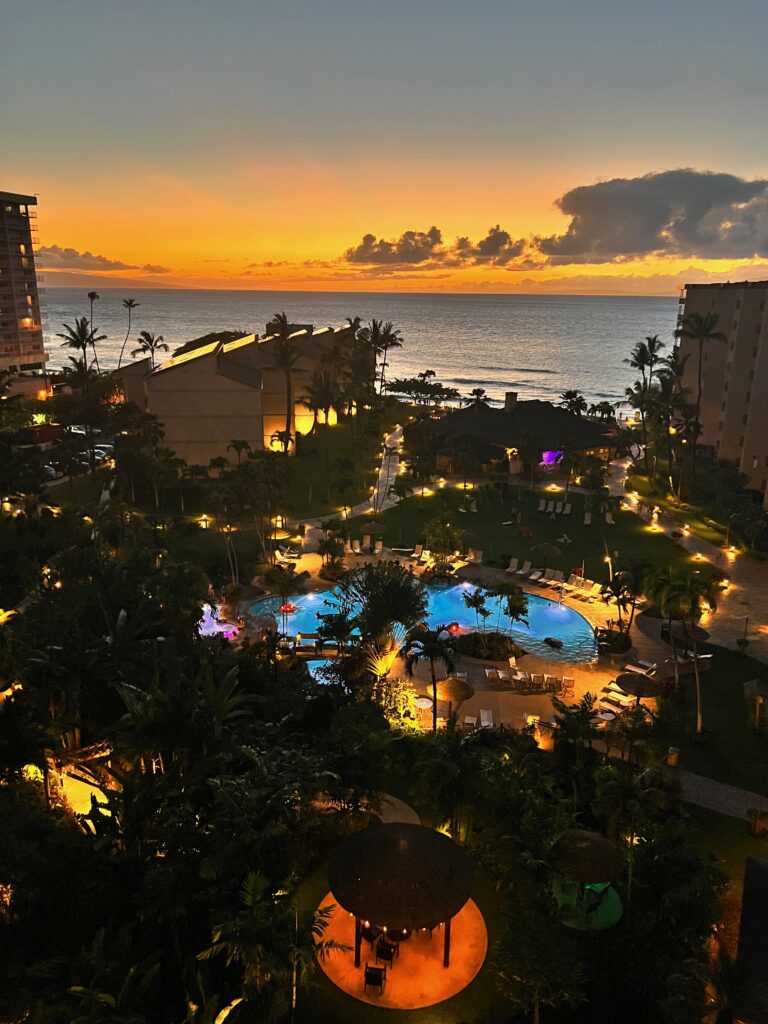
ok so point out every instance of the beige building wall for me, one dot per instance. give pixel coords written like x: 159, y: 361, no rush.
x: 734, y: 408
x: 210, y: 396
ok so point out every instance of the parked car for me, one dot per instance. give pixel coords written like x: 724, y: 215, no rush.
x: 50, y: 472
x: 108, y: 449
x: 81, y: 430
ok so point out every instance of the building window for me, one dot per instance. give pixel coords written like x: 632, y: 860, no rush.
x: 748, y: 397
x: 722, y: 408
x: 741, y: 442
x: 751, y: 375
x: 743, y: 421
x: 720, y: 427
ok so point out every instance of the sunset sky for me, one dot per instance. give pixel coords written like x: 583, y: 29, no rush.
x: 415, y: 145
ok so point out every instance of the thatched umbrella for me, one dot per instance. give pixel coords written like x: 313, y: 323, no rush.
x: 639, y: 685
x: 454, y: 690
x: 685, y: 633
x: 400, y: 877
x: 589, y: 857
x: 547, y: 550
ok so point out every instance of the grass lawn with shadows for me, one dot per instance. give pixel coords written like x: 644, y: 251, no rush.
x: 732, y: 751
x: 485, y: 530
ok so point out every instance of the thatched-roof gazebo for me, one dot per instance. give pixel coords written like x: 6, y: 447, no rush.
x: 400, y: 877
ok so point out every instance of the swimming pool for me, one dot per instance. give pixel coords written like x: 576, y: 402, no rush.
x: 446, y: 605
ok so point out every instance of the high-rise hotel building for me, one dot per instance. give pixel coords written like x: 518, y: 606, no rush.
x: 21, y: 331
x: 734, y: 396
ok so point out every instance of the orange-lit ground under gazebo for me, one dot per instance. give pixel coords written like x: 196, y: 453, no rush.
x: 417, y: 978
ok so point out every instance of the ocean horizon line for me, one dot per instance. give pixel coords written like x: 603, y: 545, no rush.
x: 398, y: 294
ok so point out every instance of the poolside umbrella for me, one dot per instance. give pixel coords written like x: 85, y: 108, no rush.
x: 639, y: 685
x: 589, y: 857
x: 546, y: 551
x: 684, y: 633
x: 454, y: 690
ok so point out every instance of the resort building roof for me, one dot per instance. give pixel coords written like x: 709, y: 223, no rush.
x: 553, y: 427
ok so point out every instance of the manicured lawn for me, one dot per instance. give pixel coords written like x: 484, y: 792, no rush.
x: 702, y: 520
x: 79, y: 490
x: 729, y: 840
x: 733, y: 752
x: 630, y: 538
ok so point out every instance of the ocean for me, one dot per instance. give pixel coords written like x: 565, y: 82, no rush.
x: 536, y: 345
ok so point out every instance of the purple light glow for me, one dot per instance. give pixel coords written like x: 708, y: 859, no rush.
x: 212, y: 625
x: 550, y: 458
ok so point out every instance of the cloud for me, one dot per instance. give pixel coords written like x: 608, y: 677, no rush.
x: 498, y: 247
x: 411, y: 247
x: 57, y: 257
x: 684, y: 213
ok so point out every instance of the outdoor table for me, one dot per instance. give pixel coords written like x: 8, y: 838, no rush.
x: 606, y: 715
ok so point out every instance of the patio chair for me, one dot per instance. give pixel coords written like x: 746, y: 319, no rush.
x: 567, y: 508
x: 375, y: 977
x: 537, y: 680
x: 550, y: 507
x: 366, y: 542
x: 503, y: 674
x: 567, y: 687
x: 552, y: 683
x: 370, y: 933
x: 387, y: 950
x: 486, y: 718
x: 416, y: 555
x: 524, y: 569
x: 470, y: 722
x: 558, y: 508
x: 513, y: 564
x: 587, y: 518
x: 542, y: 504
x: 378, y: 547
x: 492, y: 674
x: 356, y: 547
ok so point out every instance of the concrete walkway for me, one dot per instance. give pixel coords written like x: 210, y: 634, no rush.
x: 747, y: 595
x: 716, y: 796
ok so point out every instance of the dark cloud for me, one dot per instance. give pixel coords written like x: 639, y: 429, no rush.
x: 57, y: 257
x: 673, y: 213
x: 497, y: 247
x: 411, y: 247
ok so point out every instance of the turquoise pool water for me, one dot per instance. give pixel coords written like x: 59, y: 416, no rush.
x: 446, y: 605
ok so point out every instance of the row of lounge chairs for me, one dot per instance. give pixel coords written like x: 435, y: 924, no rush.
x: 355, y: 547
x: 526, y: 682
x: 556, y: 508
x: 608, y: 518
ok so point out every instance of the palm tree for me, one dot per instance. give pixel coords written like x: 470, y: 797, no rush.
x: 692, y: 594
x: 129, y: 305
x: 700, y: 328
x: 477, y: 397
x: 92, y: 297
x: 574, y: 402
x: 239, y: 447
x: 79, y: 337
x: 512, y: 601
x: 284, y: 357
x: 390, y: 338
x: 430, y: 645
x: 149, y: 343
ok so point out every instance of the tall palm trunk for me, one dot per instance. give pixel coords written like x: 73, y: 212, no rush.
x: 125, y: 342
x: 288, y: 408
x: 697, y: 677
x: 434, y: 695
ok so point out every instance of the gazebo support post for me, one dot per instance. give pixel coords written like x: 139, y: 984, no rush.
x: 447, y: 944
x: 358, y: 941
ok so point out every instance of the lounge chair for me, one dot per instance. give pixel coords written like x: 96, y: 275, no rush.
x: 609, y: 518
x: 416, y: 554
x: 475, y: 557
x: 537, y: 680
x: 366, y: 542
x: 470, y: 722
x: 503, y: 674
x: 558, y: 508
x: 376, y: 977
x: 513, y: 564
x: 567, y: 509
x: 572, y: 582
x: 356, y: 547
x: 535, y: 575
x: 378, y: 547
x: 486, y: 718
x: 595, y: 592
x: 460, y: 675
x: 425, y: 556
x: 552, y: 683
x: 525, y: 569
x: 492, y: 674
x: 587, y: 518
x: 542, y: 504
x: 567, y: 687
x: 550, y: 507
x: 347, y: 547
